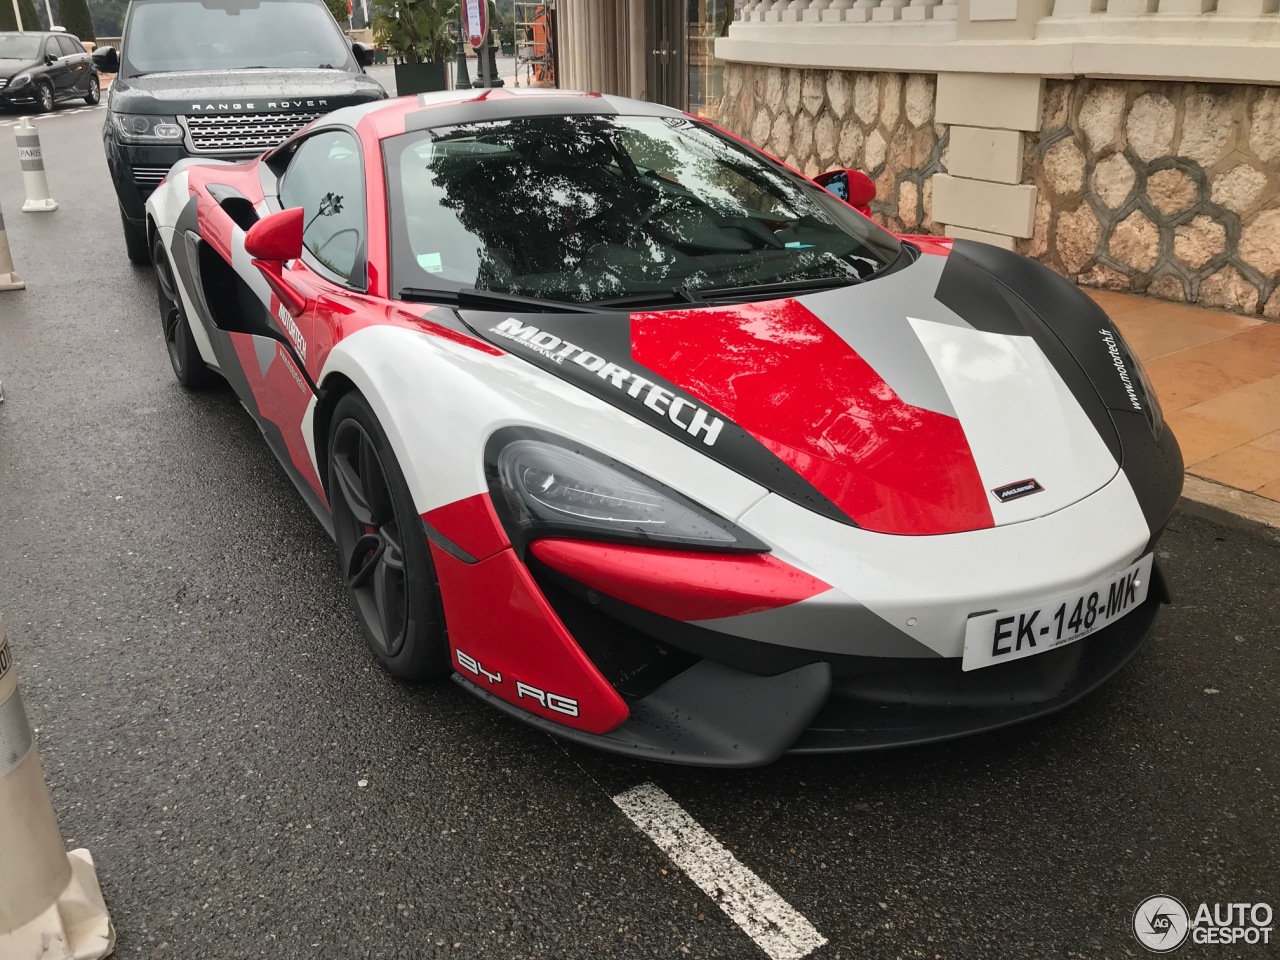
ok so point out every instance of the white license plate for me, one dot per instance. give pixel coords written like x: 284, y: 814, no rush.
x: 1005, y: 635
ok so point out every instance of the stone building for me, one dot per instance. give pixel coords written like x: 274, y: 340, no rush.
x: 1129, y: 144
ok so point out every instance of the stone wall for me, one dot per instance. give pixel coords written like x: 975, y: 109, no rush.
x: 1169, y: 189
x: 881, y: 123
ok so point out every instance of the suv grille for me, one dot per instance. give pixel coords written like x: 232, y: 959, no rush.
x: 242, y: 132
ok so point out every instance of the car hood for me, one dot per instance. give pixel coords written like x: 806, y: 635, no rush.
x: 930, y: 400
x: 10, y: 67
x: 243, y: 91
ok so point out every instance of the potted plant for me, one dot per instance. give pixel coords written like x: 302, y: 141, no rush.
x: 417, y: 32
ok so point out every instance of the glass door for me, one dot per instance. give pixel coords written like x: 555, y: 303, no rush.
x: 665, y: 33
x: 707, y: 20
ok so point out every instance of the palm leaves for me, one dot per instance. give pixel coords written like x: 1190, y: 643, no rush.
x: 417, y: 30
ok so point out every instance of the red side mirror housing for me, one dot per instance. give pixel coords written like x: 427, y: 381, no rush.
x: 272, y: 241
x: 276, y: 237
x: 852, y: 186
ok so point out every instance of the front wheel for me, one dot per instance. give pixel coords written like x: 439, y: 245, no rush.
x: 188, y: 366
x: 382, y: 548
x: 95, y: 91
x: 44, y: 96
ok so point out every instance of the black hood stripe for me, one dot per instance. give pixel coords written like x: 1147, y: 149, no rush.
x: 593, y: 352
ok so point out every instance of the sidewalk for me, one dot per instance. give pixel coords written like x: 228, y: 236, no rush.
x: 1218, y: 379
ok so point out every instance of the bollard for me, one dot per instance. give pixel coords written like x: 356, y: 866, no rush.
x: 9, y: 280
x: 50, y: 905
x: 32, y: 162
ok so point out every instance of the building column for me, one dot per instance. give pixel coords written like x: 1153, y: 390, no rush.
x: 981, y: 196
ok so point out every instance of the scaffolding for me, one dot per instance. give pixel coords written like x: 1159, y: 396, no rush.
x: 535, y: 43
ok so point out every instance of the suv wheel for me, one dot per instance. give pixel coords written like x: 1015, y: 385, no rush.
x: 95, y: 91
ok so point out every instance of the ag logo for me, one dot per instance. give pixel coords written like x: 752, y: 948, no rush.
x: 1160, y: 923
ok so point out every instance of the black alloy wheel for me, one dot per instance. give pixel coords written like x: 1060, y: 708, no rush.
x: 382, y: 547
x: 188, y: 366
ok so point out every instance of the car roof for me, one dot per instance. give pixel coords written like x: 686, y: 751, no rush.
x: 37, y: 33
x: 389, y: 118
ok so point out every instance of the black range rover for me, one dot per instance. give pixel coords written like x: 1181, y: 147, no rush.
x: 223, y: 79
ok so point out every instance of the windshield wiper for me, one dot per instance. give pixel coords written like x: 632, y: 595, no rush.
x: 482, y: 299
x: 766, y: 291
x: 642, y: 298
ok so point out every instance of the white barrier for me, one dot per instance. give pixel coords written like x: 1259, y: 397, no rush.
x: 9, y: 280
x: 32, y: 162
x: 50, y: 905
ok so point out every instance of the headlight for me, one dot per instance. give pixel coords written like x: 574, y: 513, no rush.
x: 543, y: 488
x: 21, y: 80
x: 144, y: 128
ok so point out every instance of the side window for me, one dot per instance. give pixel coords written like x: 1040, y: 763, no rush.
x: 326, y: 179
x: 69, y: 46
x: 51, y: 48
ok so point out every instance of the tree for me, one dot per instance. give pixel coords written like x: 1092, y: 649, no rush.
x: 339, y: 10
x: 30, y: 19
x: 75, y: 17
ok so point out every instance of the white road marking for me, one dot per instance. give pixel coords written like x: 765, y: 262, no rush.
x: 777, y: 927
x: 38, y: 118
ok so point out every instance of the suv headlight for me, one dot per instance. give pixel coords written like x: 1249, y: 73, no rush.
x: 144, y: 128
x: 21, y: 80
x: 546, y: 486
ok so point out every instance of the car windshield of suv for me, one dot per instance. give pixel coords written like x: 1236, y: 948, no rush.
x: 20, y: 47
x: 587, y: 208
x: 187, y: 35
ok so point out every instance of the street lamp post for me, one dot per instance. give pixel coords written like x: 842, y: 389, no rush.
x: 17, y: 16
x: 49, y: 12
x: 463, y: 79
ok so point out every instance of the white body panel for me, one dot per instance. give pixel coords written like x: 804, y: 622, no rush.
x: 1011, y: 401
x: 939, y: 581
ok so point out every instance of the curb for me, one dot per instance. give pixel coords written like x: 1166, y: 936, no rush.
x: 1231, y: 507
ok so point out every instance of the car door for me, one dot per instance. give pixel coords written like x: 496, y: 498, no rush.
x: 58, y: 70
x: 281, y: 361
x: 325, y: 177
x: 77, y: 62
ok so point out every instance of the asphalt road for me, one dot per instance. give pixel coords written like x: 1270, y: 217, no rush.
x: 251, y: 785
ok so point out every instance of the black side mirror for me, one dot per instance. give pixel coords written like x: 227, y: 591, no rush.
x: 106, y: 58
x: 362, y: 54
x: 50, y: 59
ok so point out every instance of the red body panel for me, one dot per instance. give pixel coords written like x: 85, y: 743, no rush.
x: 471, y: 524
x: 680, y: 584
x: 282, y: 396
x: 506, y: 639
x: 788, y: 379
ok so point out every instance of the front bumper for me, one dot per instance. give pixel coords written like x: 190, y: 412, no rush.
x: 689, y: 709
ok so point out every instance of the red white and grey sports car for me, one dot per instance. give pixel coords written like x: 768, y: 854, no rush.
x: 661, y: 447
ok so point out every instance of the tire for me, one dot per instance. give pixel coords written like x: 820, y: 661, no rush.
x: 95, y: 91
x: 135, y: 242
x: 188, y: 366
x: 383, y: 552
x: 44, y: 96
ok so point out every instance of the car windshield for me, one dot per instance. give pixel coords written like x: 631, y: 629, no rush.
x: 19, y: 47
x: 586, y: 208
x: 186, y: 35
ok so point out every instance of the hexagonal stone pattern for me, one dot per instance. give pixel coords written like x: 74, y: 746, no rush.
x: 1167, y: 188
x: 1199, y: 241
